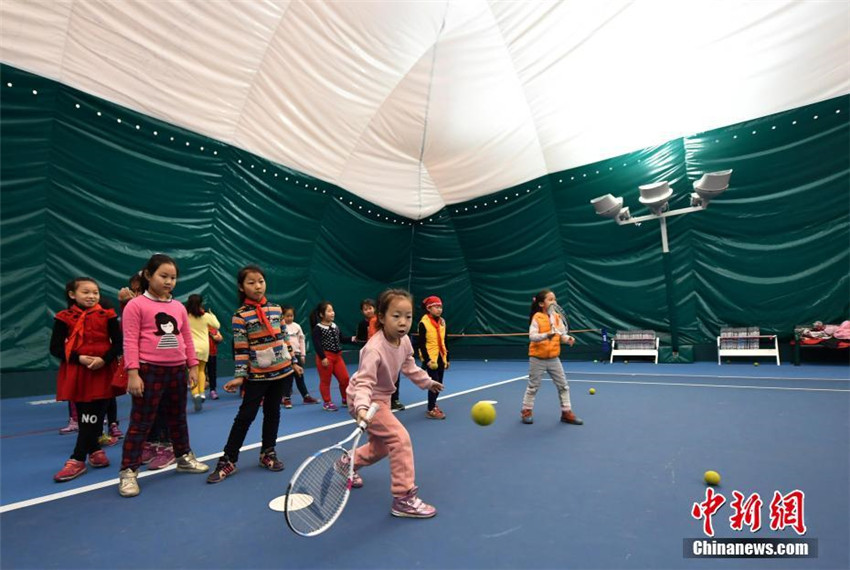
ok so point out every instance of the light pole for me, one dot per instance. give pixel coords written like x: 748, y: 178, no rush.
x: 655, y: 196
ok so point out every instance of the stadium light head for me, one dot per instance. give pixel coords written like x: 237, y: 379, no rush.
x: 710, y: 186
x: 655, y: 196
x: 611, y: 207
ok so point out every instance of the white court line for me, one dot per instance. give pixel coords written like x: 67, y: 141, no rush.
x: 112, y: 482
x: 719, y: 376
x: 710, y: 385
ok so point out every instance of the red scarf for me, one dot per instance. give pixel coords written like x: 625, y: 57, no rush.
x: 261, y: 314
x: 78, y: 332
x: 436, y: 323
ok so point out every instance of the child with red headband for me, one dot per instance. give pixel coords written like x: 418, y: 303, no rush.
x: 432, y: 349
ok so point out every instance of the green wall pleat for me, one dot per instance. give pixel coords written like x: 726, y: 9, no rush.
x: 85, y: 194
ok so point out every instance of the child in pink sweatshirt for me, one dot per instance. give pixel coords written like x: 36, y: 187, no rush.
x: 385, y: 354
x: 159, y: 355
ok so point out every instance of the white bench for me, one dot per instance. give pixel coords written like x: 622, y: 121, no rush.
x: 653, y: 352
x: 750, y: 352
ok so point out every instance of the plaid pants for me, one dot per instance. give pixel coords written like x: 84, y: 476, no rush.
x: 166, y: 384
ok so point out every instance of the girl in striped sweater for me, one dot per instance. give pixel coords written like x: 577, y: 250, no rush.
x: 262, y: 362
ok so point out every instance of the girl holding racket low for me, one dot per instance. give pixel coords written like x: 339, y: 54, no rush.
x: 546, y: 332
x: 384, y: 355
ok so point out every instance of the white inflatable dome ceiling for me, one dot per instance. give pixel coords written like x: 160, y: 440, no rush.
x: 416, y: 105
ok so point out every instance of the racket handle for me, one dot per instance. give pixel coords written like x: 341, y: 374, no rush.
x: 373, y: 409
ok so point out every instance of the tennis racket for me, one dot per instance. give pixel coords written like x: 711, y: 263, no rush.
x: 556, y: 309
x: 319, y: 490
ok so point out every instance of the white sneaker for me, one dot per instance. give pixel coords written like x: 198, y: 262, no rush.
x: 128, y: 483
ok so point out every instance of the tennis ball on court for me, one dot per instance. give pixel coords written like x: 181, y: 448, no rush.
x: 592, y: 391
x: 625, y: 362
x: 755, y: 363
x: 712, y: 477
x: 483, y: 413
x: 595, y: 360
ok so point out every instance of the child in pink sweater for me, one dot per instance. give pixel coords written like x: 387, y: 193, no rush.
x: 159, y: 355
x: 385, y: 354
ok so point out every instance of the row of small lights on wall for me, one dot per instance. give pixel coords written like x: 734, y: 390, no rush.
x: 386, y: 217
x: 314, y: 188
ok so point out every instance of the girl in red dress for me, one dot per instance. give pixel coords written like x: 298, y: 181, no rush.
x: 87, y: 339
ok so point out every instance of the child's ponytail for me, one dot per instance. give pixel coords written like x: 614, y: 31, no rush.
x: 535, y: 303
x: 318, y: 313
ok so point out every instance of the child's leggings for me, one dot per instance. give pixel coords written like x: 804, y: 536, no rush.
x: 91, y: 426
x: 211, y: 371
x: 201, y: 386
x: 336, y: 367
x: 438, y: 376
x: 536, y: 368
x: 166, y: 383
x: 112, y: 411
x: 387, y: 436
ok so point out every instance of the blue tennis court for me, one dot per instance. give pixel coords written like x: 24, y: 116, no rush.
x: 614, y: 493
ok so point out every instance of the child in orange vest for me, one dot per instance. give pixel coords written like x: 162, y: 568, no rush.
x: 432, y: 349
x: 546, y: 332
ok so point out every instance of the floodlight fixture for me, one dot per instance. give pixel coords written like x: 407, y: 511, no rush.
x: 611, y: 207
x: 655, y: 196
x: 710, y: 186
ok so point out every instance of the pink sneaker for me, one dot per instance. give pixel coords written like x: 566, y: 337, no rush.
x: 164, y: 458
x: 98, y: 459
x: 72, y: 427
x: 115, y: 431
x: 330, y: 407
x: 148, y: 452
x: 411, y: 506
x: 72, y: 470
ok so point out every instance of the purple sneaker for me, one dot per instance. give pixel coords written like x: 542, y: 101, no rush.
x: 330, y: 407
x: 164, y: 458
x: 411, y: 506
x: 148, y: 452
x: 115, y: 431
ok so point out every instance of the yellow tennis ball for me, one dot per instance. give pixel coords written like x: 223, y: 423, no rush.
x: 755, y: 363
x: 592, y: 391
x: 712, y: 477
x: 483, y: 413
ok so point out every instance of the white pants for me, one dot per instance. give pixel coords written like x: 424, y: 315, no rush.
x: 536, y: 368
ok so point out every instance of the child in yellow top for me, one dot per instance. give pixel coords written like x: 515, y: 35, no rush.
x: 432, y: 349
x: 546, y: 332
x: 200, y: 321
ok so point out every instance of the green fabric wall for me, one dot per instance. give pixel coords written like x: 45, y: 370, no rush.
x: 86, y: 194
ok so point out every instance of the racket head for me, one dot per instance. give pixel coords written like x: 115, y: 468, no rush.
x: 565, y: 322
x: 326, y: 479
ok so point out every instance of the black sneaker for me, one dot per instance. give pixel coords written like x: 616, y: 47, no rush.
x: 396, y: 405
x: 269, y: 460
x: 223, y: 469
